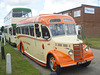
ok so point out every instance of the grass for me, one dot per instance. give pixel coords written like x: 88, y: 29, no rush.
x: 93, y: 42
x: 20, y: 66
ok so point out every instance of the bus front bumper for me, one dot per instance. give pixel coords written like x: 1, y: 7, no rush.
x: 72, y: 63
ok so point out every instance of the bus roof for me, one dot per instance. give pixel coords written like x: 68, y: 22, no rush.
x: 45, y: 18
x: 22, y: 9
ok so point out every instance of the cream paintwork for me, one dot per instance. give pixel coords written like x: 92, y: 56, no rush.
x: 35, y: 47
x: 68, y: 40
x: 17, y: 19
x: 8, y: 24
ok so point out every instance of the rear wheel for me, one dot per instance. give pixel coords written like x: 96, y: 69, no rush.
x: 85, y: 64
x: 53, y: 65
x: 9, y: 41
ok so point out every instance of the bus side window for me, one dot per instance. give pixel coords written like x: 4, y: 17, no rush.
x: 14, y: 30
x: 26, y: 30
x: 38, y: 33
x: 45, y: 32
x: 23, y: 30
x: 17, y: 30
x: 10, y: 31
x: 6, y: 30
x: 31, y: 30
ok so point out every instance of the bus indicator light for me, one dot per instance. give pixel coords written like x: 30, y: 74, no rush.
x: 42, y: 46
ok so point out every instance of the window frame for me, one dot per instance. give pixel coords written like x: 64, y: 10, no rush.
x: 42, y: 32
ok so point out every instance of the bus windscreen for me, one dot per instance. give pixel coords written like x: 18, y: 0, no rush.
x: 62, y: 29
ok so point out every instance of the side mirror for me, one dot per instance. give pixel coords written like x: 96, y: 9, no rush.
x: 38, y: 34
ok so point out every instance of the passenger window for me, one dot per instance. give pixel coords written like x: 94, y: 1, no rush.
x: 6, y: 30
x: 31, y: 30
x: 10, y: 31
x: 38, y: 33
x: 45, y: 32
x: 23, y: 30
x: 26, y: 30
x: 18, y: 30
x: 14, y: 30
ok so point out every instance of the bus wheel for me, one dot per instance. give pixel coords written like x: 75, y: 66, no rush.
x: 21, y: 48
x: 85, y: 64
x: 9, y: 41
x: 53, y: 65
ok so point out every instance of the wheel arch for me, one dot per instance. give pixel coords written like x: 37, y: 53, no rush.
x: 21, y: 43
x: 49, y: 54
x: 60, y: 57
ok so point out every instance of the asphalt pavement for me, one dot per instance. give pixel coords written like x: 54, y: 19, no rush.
x: 92, y: 69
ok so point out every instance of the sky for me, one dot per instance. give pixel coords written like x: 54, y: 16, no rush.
x: 42, y: 6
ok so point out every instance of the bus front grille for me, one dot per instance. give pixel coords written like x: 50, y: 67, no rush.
x: 78, y: 52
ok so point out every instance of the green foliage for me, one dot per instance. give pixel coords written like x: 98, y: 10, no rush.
x: 20, y: 66
x: 2, y: 28
x: 93, y: 42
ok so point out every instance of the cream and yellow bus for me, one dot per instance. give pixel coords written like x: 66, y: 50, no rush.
x: 51, y: 40
x: 15, y: 15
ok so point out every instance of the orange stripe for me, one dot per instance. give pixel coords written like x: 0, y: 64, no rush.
x: 35, y: 60
x: 32, y: 38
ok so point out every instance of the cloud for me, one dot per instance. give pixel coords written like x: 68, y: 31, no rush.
x: 8, y: 7
x: 19, y: 2
x: 1, y: 22
x: 34, y: 12
x: 52, y: 6
x: 2, y: 5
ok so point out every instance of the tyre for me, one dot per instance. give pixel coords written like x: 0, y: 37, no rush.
x: 21, y: 49
x: 85, y: 64
x: 54, y: 67
x: 9, y: 41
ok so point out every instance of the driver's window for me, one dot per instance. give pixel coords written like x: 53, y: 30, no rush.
x: 45, y: 32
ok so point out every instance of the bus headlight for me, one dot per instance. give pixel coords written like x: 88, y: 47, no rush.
x: 86, y: 48
x: 70, y: 51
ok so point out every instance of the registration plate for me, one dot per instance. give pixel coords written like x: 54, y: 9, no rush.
x: 82, y: 62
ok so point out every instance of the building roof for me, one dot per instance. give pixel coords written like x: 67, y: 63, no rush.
x: 76, y: 8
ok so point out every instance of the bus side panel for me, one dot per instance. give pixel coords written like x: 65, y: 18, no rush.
x: 31, y: 48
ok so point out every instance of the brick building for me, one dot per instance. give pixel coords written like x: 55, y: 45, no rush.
x: 86, y: 16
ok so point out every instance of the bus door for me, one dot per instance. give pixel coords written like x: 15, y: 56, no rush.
x: 10, y: 34
x: 38, y: 43
x: 46, y: 38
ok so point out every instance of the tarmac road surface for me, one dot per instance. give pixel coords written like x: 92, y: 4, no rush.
x: 92, y: 69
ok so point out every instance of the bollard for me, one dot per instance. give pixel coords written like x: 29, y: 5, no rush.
x: 4, y: 41
x: 53, y: 73
x: 1, y: 38
x: 0, y: 47
x: 2, y: 52
x: 8, y: 64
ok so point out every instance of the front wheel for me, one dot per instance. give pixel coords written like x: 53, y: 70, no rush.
x: 53, y: 65
x: 85, y: 64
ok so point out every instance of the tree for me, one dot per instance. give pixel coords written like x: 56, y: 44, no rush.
x: 2, y: 28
